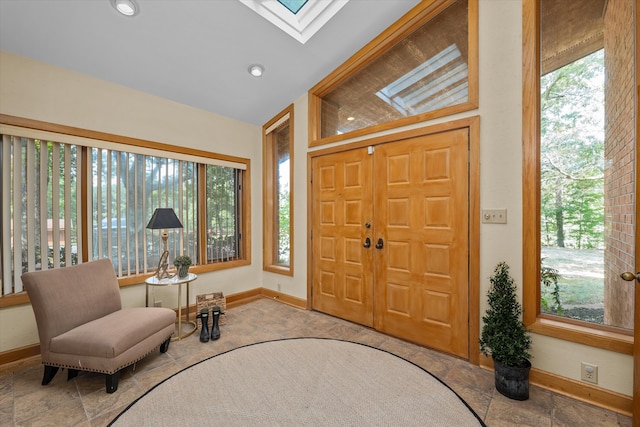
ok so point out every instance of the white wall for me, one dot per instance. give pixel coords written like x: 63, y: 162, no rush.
x: 46, y: 93
x: 39, y: 91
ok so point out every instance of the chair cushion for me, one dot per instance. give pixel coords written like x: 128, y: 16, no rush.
x: 115, y: 333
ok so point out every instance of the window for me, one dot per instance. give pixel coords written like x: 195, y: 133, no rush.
x: 424, y: 66
x: 68, y: 199
x: 36, y: 232
x: 277, y: 191
x: 127, y: 188
x: 579, y: 141
x: 224, y: 213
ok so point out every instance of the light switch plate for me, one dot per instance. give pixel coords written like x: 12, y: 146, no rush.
x: 494, y: 216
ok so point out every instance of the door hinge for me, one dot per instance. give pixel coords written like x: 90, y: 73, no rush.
x: 370, y: 149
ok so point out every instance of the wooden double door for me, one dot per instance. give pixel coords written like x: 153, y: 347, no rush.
x: 390, y: 238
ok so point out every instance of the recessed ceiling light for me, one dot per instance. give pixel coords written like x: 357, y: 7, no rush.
x: 126, y: 7
x: 350, y: 118
x: 256, y: 70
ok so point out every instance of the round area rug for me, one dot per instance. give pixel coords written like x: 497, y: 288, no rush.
x: 302, y: 381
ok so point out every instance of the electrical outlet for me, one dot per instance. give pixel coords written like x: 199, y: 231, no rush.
x: 157, y: 303
x: 279, y: 287
x: 494, y: 216
x: 589, y: 372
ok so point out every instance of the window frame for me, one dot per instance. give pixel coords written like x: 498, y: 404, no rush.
x: 269, y: 193
x: 405, y: 26
x: 566, y: 329
x: 244, y: 199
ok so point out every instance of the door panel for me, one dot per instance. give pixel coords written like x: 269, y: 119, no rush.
x: 342, y: 205
x: 421, y: 272
x: 412, y: 281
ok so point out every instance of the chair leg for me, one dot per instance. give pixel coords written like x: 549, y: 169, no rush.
x: 71, y: 374
x: 165, y: 345
x: 112, y: 382
x: 49, y: 373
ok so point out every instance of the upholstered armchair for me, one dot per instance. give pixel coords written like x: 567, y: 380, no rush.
x: 83, y: 327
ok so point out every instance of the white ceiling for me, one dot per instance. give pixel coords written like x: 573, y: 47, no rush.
x: 195, y: 52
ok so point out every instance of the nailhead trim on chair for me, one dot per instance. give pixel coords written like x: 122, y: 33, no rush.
x: 102, y: 371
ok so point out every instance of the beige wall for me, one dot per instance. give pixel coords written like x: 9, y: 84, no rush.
x: 43, y: 92
x: 500, y: 171
x: 500, y: 187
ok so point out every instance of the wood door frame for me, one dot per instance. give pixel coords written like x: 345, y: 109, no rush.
x: 473, y: 125
x: 636, y: 333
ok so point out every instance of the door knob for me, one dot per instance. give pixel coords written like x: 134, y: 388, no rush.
x: 629, y: 276
x: 367, y: 243
x: 380, y: 244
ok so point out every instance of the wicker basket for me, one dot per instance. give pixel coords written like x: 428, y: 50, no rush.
x: 210, y: 300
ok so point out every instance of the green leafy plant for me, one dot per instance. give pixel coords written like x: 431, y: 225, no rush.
x: 549, y: 277
x: 182, y: 261
x: 504, y: 335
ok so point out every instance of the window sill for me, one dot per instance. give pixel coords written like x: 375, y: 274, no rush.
x: 285, y: 270
x: 582, y: 334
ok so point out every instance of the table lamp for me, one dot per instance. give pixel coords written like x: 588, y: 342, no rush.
x: 163, y: 219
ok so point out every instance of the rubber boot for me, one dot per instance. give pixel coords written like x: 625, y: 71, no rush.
x: 215, y: 330
x: 204, y: 319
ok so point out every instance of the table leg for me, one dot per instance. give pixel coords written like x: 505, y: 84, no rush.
x: 179, y: 312
x: 146, y: 295
x: 187, y: 307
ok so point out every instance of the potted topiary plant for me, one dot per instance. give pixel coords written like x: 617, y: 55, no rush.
x: 505, y: 337
x: 182, y: 263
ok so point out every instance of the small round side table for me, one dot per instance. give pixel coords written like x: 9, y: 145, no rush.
x: 171, y: 281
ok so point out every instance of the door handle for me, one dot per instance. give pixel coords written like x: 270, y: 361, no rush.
x: 629, y: 276
x: 367, y: 243
x: 380, y: 244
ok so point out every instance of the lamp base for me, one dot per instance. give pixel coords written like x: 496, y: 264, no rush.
x: 163, y: 265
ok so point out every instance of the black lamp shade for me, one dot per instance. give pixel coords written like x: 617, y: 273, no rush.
x: 164, y: 218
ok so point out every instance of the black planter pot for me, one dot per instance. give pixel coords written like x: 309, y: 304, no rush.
x: 512, y: 381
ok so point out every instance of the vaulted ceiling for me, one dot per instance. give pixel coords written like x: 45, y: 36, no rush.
x: 196, y: 52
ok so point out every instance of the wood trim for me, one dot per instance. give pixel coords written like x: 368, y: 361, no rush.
x: 284, y: 298
x: 18, y: 355
x: 474, y: 239
x: 411, y: 21
x: 582, y: 391
x: 109, y: 137
x: 14, y: 299
x: 407, y: 134
x: 309, y: 180
x: 566, y: 329
x: 574, y: 389
x: 473, y: 124
x: 22, y: 298
x: 269, y: 209
x: 636, y: 351
x: 407, y: 24
x: 530, y: 160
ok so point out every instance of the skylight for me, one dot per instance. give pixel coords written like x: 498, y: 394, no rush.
x: 301, y: 19
x: 293, y: 5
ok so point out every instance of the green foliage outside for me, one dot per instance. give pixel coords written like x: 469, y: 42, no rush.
x: 572, y: 154
x: 504, y: 335
x: 572, y: 184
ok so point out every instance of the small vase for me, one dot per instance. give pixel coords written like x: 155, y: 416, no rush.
x: 183, y: 271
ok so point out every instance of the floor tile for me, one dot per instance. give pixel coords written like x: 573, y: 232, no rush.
x: 84, y: 402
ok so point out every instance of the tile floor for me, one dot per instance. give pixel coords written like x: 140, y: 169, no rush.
x: 83, y: 401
